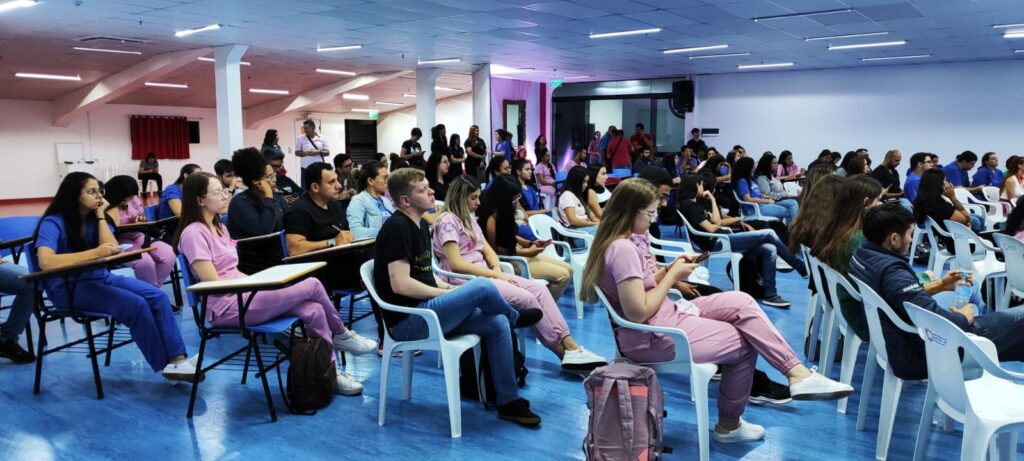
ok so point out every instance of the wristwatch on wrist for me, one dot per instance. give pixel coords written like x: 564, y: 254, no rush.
x: 330, y: 243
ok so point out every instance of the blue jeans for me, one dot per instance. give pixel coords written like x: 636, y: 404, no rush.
x: 977, y: 222
x: 1004, y: 328
x: 783, y: 209
x: 21, y: 308
x: 477, y: 308
x: 766, y: 246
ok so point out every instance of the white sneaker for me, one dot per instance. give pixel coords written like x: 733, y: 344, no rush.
x: 819, y: 387
x: 581, y: 359
x: 184, y: 370
x: 746, y: 432
x: 352, y: 342
x: 347, y: 386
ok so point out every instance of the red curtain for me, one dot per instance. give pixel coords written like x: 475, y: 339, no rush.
x: 165, y: 136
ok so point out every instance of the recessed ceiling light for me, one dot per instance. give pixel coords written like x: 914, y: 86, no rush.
x: 205, y: 59
x: 438, y: 61
x: 74, y: 78
x: 104, y: 50
x: 835, y: 37
x: 338, y: 48
x: 798, y: 15
x: 626, y: 32
x: 708, y: 56
x: 167, y: 85
x: 444, y: 88
x: 265, y: 91
x: 1006, y: 26
x: 1014, y: 34
x: 386, y: 103
x: 866, y: 45
x: 407, y: 95
x: 336, y: 72
x: 187, y: 32
x: 764, y: 66
x: 694, y: 49
x: 366, y: 111
x: 890, y: 58
x: 355, y: 97
x: 16, y: 4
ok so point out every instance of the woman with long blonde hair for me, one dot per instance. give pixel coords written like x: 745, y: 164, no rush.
x: 459, y: 246
x: 728, y: 329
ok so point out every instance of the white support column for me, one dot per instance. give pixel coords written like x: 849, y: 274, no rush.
x: 482, y: 103
x: 426, y: 101
x: 229, y: 98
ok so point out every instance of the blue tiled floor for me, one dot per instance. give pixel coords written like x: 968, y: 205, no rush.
x: 142, y: 417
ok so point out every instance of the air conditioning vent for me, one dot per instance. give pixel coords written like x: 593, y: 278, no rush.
x: 110, y: 39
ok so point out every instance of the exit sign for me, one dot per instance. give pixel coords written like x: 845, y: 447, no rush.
x: 374, y: 115
x: 556, y: 83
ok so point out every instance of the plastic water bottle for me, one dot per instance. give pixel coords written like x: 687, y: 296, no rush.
x: 962, y: 290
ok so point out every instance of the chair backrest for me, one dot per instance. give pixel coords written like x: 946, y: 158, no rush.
x: 991, y: 193
x: 722, y: 244
x: 963, y: 237
x: 874, y: 307
x: 1013, y: 252
x: 834, y: 279
x: 433, y: 325
x: 942, y: 343
x: 963, y: 195
x: 791, y: 187
x: 817, y: 277
x: 622, y: 172
x: 187, y: 280
x: 682, y: 353
x: 12, y: 227
x: 542, y: 227
x: 284, y: 245
x: 746, y: 208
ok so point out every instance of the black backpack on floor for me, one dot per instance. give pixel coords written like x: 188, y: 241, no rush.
x: 311, y: 376
x: 468, y: 379
x: 750, y: 276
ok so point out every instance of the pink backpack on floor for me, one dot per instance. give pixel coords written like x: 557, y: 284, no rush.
x: 626, y: 414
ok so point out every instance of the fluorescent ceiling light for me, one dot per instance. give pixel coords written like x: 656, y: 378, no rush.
x: 693, y: 49
x: 386, y: 103
x: 407, y: 95
x: 729, y: 55
x: 576, y: 77
x: 336, y: 72
x: 167, y: 85
x: 866, y: 45
x: 187, y: 32
x: 355, y: 97
x: 1006, y: 26
x: 103, y: 50
x: 16, y: 4
x: 1014, y: 34
x: 798, y: 15
x: 764, y: 66
x: 338, y: 48
x: 498, y: 69
x: 1018, y: 51
x: 205, y: 59
x: 366, y: 111
x: 890, y: 58
x: 265, y: 91
x: 74, y: 78
x: 835, y: 37
x: 444, y: 88
x: 626, y: 32
x: 438, y: 61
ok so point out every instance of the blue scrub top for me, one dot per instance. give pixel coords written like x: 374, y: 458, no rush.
x: 745, y: 187
x: 53, y: 235
x: 170, y: 192
x: 532, y: 198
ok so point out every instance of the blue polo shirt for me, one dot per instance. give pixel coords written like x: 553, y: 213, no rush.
x: 745, y: 187
x: 53, y: 235
x: 170, y: 192
x: 987, y: 177
x: 956, y: 176
x: 910, y: 186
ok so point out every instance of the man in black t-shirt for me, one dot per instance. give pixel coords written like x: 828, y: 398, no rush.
x: 889, y: 177
x: 695, y: 143
x: 317, y: 221
x: 403, y: 276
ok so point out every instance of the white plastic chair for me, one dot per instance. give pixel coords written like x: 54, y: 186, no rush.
x: 937, y: 256
x: 449, y: 348
x: 992, y: 212
x: 751, y: 211
x: 851, y: 342
x: 545, y: 227
x: 987, y: 269
x: 991, y: 194
x: 892, y: 386
x: 792, y: 188
x: 507, y: 268
x: 1013, y: 250
x: 724, y: 250
x: 812, y: 322
x: 919, y: 235
x: 987, y: 405
x: 700, y: 373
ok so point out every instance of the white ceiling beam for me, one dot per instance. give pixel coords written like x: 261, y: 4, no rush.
x: 256, y: 116
x: 73, y: 105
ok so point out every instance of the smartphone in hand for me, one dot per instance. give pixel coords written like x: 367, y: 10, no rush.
x: 703, y: 256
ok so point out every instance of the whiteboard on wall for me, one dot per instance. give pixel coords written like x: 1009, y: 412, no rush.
x: 70, y: 152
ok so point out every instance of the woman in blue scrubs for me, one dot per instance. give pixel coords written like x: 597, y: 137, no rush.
x: 74, y: 229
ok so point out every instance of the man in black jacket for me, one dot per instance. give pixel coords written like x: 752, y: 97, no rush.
x: 889, y: 230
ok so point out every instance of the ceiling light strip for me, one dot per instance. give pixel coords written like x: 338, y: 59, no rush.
x: 336, y: 72
x: 770, y: 65
x: 866, y: 45
x: 206, y: 59
x: 187, y: 32
x: 266, y: 91
x: 800, y: 15
x: 728, y: 55
x: 438, y: 61
x: 337, y: 48
x: 836, y: 37
x: 892, y: 58
x: 694, y: 49
x: 104, y: 50
x: 73, y: 78
x: 167, y: 85
x: 626, y: 32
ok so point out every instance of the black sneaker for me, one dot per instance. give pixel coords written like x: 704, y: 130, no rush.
x: 12, y: 351
x: 528, y: 318
x: 776, y: 301
x: 518, y: 411
x: 765, y: 391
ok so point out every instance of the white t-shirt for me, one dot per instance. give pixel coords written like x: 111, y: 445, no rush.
x: 302, y: 144
x: 569, y: 200
x: 1017, y: 192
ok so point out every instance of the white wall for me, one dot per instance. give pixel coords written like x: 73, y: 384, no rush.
x: 605, y: 112
x: 27, y: 138
x: 456, y: 113
x: 940, y: 108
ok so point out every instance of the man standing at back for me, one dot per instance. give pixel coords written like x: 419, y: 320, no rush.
x: 310, y: 147
x: 640, y: 141
x: 602, y: 145
x: 403, y: 276
x: 618, y: 151
x: 696, y: 144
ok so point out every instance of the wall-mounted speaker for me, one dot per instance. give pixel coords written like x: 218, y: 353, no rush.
x: 682, y: 95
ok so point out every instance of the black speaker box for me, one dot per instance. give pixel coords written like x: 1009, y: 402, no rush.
x: 682, y: 95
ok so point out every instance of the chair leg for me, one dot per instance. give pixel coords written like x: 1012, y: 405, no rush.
x: 827, y: 330
x: 700, y: 398
x: 735, y: 269
x: 195, y: 382
x: 451, y: 382
x: 850, y: 349
x: 927, y: 414
x: 29, y: 345
x: 39, y: 356
x: 263, y: 377
x: 977, y: 434
x: 814, y: 344
x: 891, y: 388
x: 385, y: 368
x: 110, y: 343
x: 92, y: 358
x: 577, y: 281
x: 407, y: 373
x: 870, y: 365
x: 245, y: 367
x: 176, y: 284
